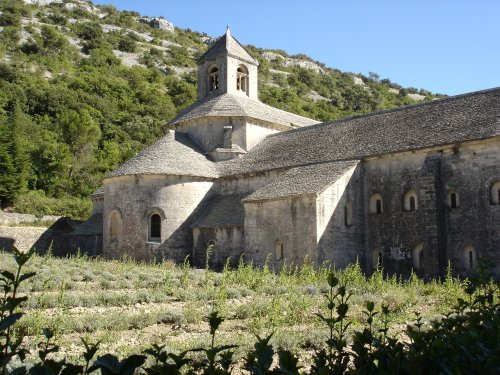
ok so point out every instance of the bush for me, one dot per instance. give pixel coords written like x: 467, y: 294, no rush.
x: 36, y: 203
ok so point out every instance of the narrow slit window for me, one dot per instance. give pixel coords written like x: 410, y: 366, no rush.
x: 453, y: 200
x: 412, y: 203
x: 469, y: 258
x: 495, y: 193
x: 377, y: 258
x: 375, y: 204
x: 114, y: 226
x: 155, y: 228
x: 278, y: 250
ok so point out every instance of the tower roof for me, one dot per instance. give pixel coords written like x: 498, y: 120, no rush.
x: 227, y: 45
x: 227, y: 105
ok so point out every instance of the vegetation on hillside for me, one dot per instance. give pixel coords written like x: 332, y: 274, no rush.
x: 81, y: 91
x: 164, y: 319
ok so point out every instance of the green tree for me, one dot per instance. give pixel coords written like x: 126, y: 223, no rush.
x: 13, y: 156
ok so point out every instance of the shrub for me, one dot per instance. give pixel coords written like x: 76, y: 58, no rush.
x: 36, y: 203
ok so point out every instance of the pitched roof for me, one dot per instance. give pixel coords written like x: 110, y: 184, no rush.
x: 226, y: 44
x: 173, y: 154
x: 99, y: 191
x: 441, y: 122
x: 225, y: 105
x: 310, y: 179
x: 221, y: 211
x: 92, y: 226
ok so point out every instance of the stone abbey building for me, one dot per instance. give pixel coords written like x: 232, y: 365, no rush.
x: 416, y: 187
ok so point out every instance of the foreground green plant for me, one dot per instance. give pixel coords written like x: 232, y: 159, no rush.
x: 465, y: 340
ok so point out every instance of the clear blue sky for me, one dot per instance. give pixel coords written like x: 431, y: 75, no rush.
x: 445, y: 46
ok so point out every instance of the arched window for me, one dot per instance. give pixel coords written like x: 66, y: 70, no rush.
x: 495, y: 193
x: 115, y: 223
x: 377, y: 258
x: 469, y: 258
x: 155, y: 228
x: 348, y: 214
x: 242, y: 79
x: 278, y: 250
x: 376, y: 204
x: 213, y: 79
x: 410, y: 201
x: 417, y: 257
x: 452, y: 199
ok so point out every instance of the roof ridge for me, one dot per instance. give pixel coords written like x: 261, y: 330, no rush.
x: 391, y: 110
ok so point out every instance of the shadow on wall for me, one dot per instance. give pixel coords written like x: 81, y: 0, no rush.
x: 341, y: 241
x: 25, y: 238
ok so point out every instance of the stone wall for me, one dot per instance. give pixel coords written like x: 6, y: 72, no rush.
x: 37, y: 238
x: 7, y: 218
x: 228, y: 243
x: 339, y: 242
x: 290, y: 221
x: 444, y: 232
x: 176, y: 199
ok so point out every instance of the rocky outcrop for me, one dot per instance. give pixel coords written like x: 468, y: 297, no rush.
x: 289, y: 61
x: 158, y: 23
x: 43, y: 2
x: 416, y: 97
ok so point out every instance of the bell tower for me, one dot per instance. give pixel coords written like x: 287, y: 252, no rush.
x: 227, y: 68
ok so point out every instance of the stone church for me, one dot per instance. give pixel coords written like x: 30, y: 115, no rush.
x: 416, y: 187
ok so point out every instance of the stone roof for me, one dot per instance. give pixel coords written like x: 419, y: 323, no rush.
x: 310, y: 179
x: 226, y: 44
x: 226, y: 105
x: 446, y: 121
x: 173, y: 154
x: 222, y: 211
x: 99, y: 191
x: 92, y: 226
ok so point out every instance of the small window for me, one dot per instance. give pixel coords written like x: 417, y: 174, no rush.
x: 376, y: 204
x: 348, y: 214
x: 410, y: 201
x: 377, y: 258
x: 495, y: 193
x: 469, y: 258
x: 242, y: 79
x: 417, y: 257
x: 278, y: 250
x: 114, y: 226
x: 213, y: 79
x: 155, y: 228
x: 452, y: 199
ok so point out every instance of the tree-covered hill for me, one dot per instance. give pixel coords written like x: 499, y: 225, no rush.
x: 84, y: 87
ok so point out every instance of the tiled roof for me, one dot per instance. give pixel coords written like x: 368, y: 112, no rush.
x: 310, y: 179
x: 173, y: 154
x: 99, y: 191
x: 226, y: 44
x: 226, y: 105
x: 222, y: 211
x: 441, y: 122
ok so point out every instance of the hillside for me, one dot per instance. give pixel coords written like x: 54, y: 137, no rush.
x: 84, y: 87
